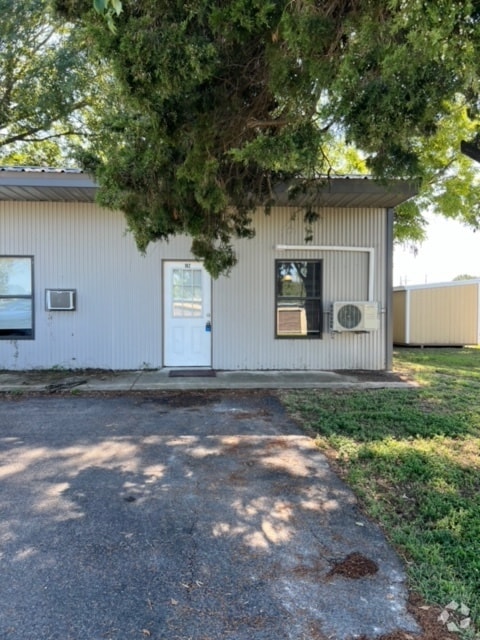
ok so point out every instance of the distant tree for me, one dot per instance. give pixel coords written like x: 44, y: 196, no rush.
x: 41, y: 153
x: 221, y: 100
x: 464, y: 277
x: 50, y: 85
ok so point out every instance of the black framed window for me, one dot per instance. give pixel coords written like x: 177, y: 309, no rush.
x: 16, y: 297
x: 298, y: 299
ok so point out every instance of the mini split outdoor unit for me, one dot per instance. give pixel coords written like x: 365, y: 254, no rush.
x: 355, y: 316
x: 60, y: 299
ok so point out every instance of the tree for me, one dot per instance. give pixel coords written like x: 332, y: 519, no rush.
x: 221, y: 100
x: 464, y: 276
x: 48, y: 82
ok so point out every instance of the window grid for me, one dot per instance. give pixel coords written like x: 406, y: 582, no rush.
x: 187, y: 296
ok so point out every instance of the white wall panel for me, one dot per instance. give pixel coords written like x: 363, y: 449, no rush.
x: 118, y: 321
x: 117, y: 324
x: 244, y: 337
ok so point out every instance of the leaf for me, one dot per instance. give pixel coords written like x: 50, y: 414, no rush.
x: 110, y: 23
x: 117, y: 6
x: 444, y: 616
x: 100, y: 5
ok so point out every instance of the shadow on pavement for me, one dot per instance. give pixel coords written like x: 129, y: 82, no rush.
x: 177, y: 517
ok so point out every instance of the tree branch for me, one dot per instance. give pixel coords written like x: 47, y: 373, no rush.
x: 24, y: 136
x: 253, y: 123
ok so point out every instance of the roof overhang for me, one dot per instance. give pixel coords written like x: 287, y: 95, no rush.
x: 349, y: 191
x: 48, y: 185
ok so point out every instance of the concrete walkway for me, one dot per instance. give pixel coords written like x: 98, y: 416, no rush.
x: 160, y: 380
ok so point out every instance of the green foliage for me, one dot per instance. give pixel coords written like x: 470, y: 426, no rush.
x: 108, y: 9
x: 413, y: 457
x: 51, y: 84
x: 53, y: 88
x: 409, y: 223
x: 450, y: 179
x: 44, y: 153
x: 464, y: 276
x: 219, y: 101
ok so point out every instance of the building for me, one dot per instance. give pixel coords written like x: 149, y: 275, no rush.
x: 443, y: 315
x: 76, y: 293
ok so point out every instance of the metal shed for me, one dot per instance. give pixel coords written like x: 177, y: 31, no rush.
x: 441, y: 314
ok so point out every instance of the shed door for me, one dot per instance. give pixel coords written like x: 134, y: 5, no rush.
x: 187, y: 315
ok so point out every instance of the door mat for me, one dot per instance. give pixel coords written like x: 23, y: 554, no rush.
x: 192, y: 373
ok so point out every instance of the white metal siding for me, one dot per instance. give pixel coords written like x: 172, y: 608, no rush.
x: 118, y: 321
x: 244, y: 311
x: 117, y: 324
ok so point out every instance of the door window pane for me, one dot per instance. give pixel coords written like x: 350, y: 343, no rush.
x: 187, y: 296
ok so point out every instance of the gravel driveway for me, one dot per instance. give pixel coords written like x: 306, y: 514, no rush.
x: 178, y: 516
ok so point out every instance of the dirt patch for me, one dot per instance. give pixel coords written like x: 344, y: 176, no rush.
x: 354, y: 566
x: 252, y: 415
x: 175, y: 399
x: 47, y: 376
x: 278, y: 443
x: 373, y: 376
x: 313, y: 571
x: 427, y: 618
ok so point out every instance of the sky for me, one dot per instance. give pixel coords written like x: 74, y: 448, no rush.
x: 451, y: 249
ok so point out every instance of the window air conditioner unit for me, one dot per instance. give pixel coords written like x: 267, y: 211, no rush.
x: 291, y: 321
x: 60, y: 299
x: 355, y: 316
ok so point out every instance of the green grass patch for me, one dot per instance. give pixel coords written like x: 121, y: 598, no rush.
x: 413, y: 458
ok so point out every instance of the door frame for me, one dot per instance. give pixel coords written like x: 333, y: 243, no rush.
x: 165, y: 306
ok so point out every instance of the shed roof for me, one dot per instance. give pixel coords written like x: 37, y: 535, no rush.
x: 438, y: 285
x: 73, y: 185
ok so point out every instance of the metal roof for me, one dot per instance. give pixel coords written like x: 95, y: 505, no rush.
x: 71, y: 185
x: 351, y: 191
x: 46, y: 185
x: 438, y: 285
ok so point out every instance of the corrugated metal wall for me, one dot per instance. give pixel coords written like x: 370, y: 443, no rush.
x: 246, y: 340
x: 118, y: 322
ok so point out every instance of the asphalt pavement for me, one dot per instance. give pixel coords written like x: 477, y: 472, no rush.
x: 182, y: 516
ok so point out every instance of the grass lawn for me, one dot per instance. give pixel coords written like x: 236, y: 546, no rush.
x: 413, y: 459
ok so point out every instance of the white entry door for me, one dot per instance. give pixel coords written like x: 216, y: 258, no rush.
x: 187, y: 315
